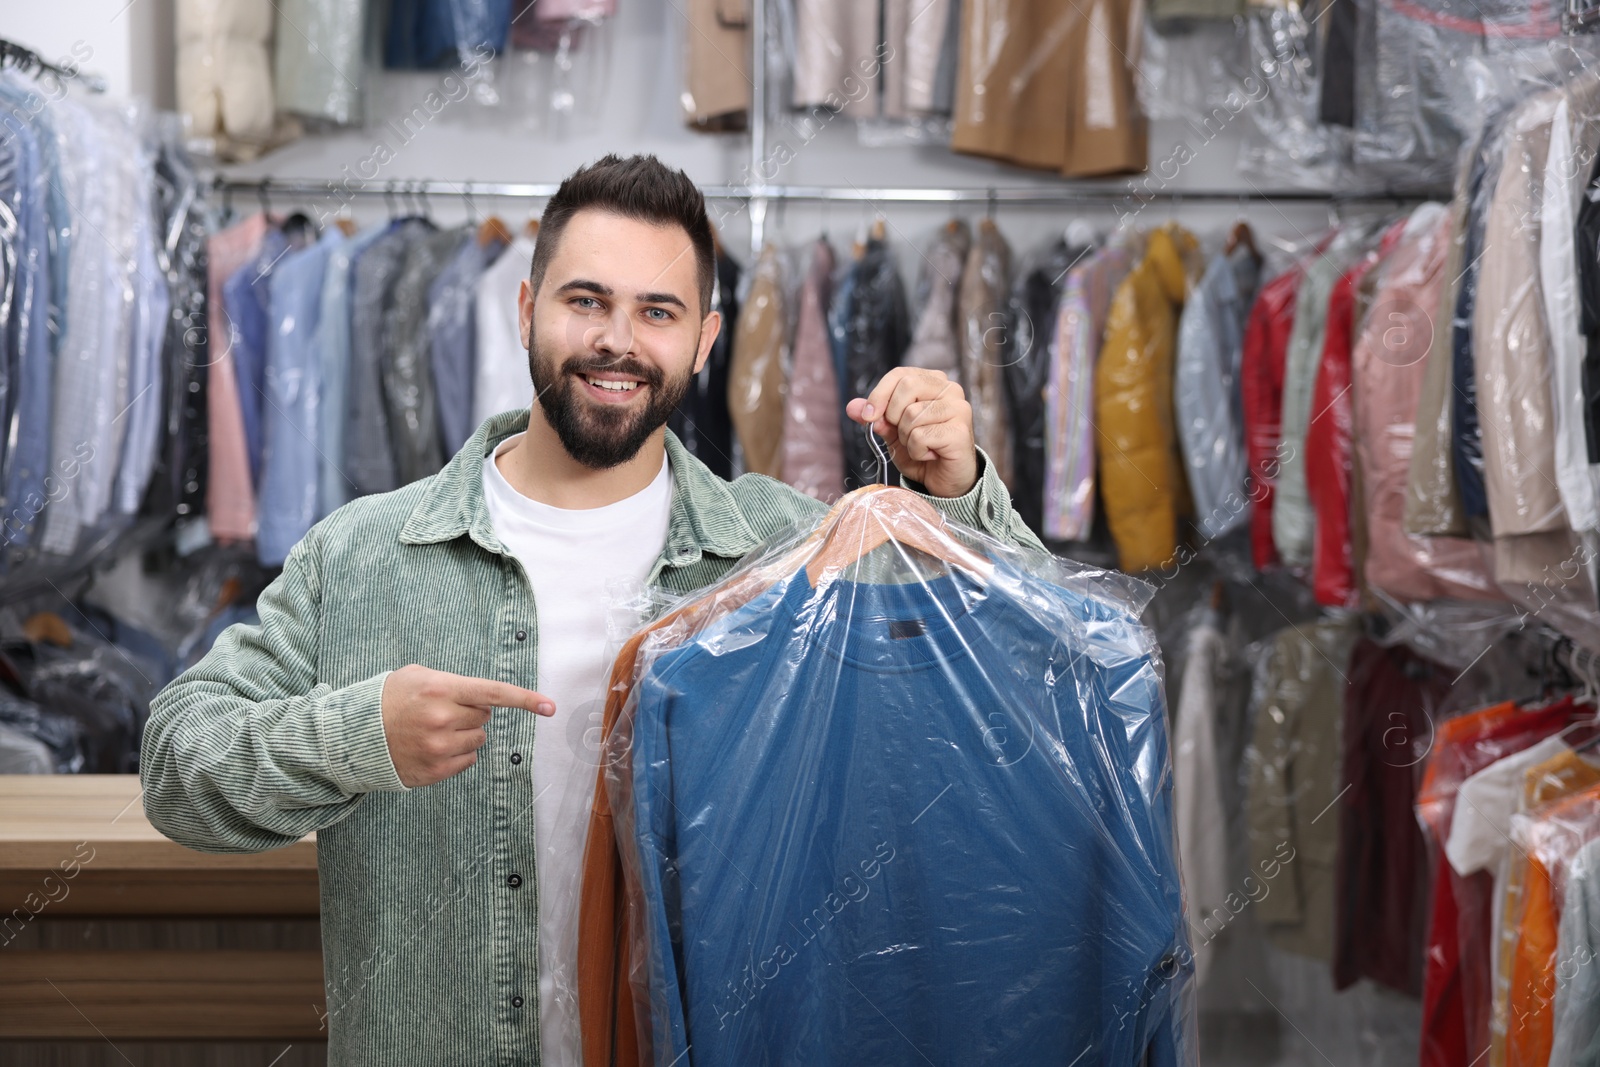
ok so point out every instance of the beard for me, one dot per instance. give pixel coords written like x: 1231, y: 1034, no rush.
x: 602, y: 436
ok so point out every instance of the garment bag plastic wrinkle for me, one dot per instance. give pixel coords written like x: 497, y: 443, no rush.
x: 1069, y: 406
x: 812, y: 449
x: 1206, y: 391
x: 1388, y: 364
x: 1141, y: 477
x: 940, y: 696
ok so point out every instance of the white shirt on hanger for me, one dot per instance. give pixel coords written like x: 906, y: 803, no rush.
x: 587, y: 569
x: 501, y: 381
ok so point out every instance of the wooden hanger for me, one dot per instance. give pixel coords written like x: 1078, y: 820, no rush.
x: 347, y: 226
x: 1242, y: 234
x: 878, y: 228
x: 871, y: 520
x: 493, y: 229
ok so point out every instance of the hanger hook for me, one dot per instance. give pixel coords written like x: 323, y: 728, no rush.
x: 261, y: 194
x: 993, y: 198
x: 883, y: 457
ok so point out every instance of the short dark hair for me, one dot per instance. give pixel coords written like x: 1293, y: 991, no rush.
x: 638, y: 187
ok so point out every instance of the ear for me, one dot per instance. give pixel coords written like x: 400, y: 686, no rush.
x: 710, y: 327
x: 525, y: 310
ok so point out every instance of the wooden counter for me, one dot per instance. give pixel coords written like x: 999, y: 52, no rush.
x: 77, y: 852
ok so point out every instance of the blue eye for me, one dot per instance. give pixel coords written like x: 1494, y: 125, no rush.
x: 665, y: 315
x: 592, y: 301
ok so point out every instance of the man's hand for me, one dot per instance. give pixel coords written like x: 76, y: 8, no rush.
x: 925, y: 420
x: 435, y: 720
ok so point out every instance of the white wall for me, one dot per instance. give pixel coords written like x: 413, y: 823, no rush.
x: 127, y: 42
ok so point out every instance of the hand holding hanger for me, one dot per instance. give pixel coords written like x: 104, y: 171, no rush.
x: 926, y: 423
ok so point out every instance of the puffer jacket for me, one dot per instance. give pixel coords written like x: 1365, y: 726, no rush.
x: 1141, y: 477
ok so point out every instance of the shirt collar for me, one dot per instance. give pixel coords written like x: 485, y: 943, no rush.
x: 705, y: 518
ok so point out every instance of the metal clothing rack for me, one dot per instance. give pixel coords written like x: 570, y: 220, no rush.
x: 28, y: 61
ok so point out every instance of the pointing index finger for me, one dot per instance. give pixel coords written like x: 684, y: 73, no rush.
x: 485, y: 692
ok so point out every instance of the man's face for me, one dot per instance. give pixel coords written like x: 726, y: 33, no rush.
x: 615, y: 334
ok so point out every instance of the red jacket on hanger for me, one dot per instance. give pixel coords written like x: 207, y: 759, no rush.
x: 1266, y: 342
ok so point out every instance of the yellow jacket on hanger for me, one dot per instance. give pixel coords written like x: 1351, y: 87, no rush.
x: 1141, y: 477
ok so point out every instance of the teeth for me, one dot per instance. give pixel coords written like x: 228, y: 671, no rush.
x: 615, y: 387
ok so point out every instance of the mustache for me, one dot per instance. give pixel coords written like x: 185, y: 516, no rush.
x: 649, y: 374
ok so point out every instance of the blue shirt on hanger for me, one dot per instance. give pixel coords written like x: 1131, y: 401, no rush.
x: 900, y: 824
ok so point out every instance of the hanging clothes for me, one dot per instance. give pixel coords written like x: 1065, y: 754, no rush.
x: 453, y: 336
x: 985, y: 280
x: 317, y: 56
x: 1206, y: 390
x: 837, y: 57
x: 813, y: 452
x: 245, y: 295
x: 936, y: 339
x: 1388, y: 363
x: 1050, y: 86
x: 230, y: 502
x: 408, y: 395
x: 1069, y: 406
x: 875, y: 338
x: 701, y: 419
x: 756, y: 369
x: 1294, y: 778
x: 1266, y: 343
x: 292, y: 416
x: 333, y: 341
x: 1141, y: 478
x: 502, y: 378
x: 1031, y: 314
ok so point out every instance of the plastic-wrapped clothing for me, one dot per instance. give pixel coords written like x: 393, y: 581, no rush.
x: 836, y: 57
x: 756, y: 370
x: 23, y: 754
x: 502, y: 373
x: 1588, y: 254
x: 1390, y: 703
x: 408, y: 397
x: 1551, y: 838
x: 914, y: 32
x: 981, y: 310
x: 1293, y: 766
x: 1511, y: 353
x: 1030, y: 352
x: 1069, y: 406
x: 1141, y: 478
x: 1433, y: 498
x: 317, y: 55
x: 716, y: 69
x: 292, y: 416
x: 369, y: 453
x: 333, y: 342
x: 1560, y: 776
x: 1575, y: 1022
x: 1466, y: 430
x: 246, y: 296
x: 1329, y: 446
x: 959, y: 660
x: 1206, y: 394
x: 875, y: 338
x: 1464, y: 745
x: 844, y: 291
x: 1388, y: 363
x: 96, y: 685
x: 224, y: 76
x: 1051, y: 85
x: 60, y: 734
x: 701, y: 418
x: 1293, y: 522
x: 453, y: 335
x: 813, y: 451
x: 230, y: 498
x: 1206, y: 697
x: 1266, y: 343
x: 935, y: 343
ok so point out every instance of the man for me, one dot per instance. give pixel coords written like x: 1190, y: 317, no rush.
x: 430, y: 666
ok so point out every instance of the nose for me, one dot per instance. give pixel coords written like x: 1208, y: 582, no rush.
x: 609, y: 332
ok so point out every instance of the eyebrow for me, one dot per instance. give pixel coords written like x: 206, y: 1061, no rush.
x: 585, y: 285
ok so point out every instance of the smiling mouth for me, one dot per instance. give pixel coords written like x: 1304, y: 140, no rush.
x: 612, y: 386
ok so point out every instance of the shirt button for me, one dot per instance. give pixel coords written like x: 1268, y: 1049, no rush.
x: 516, y: 1002
x: 516, y: 757
x: 514, y: 880
x: 522, y: 635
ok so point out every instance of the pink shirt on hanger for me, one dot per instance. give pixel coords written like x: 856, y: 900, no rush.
x: 230, y: 497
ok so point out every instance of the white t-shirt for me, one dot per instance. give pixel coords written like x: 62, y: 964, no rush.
x: 588, y: 569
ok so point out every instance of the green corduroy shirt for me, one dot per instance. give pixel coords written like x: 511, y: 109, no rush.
x: 430, y: 954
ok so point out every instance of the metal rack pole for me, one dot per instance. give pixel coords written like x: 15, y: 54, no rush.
x: 758, y: 124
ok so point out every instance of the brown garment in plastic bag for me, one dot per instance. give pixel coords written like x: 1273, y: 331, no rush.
x: 756, y: 371
x: 716, y: 70
x: 813, y: 448
x: 935, y: 344
x: 1433, y: 499
x: 1050, y: 84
